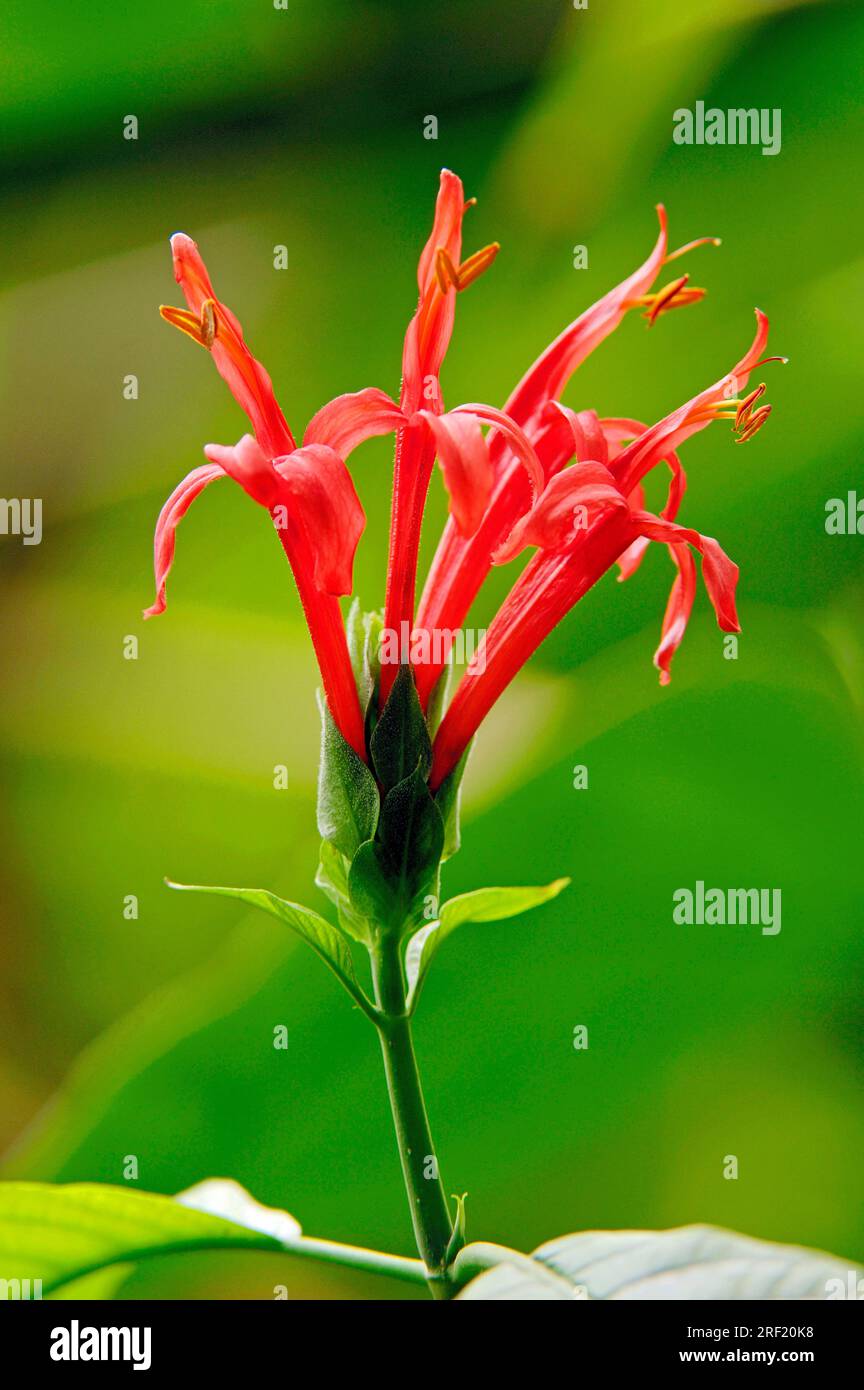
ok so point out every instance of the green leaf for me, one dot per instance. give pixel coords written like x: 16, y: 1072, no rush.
x: 81, y: 1239
x: 332, y: 873
x: 448, y: 798
x: 332, y: 878
x: 326, y: 941
x: 60, y: 1234
x: 400, y: 741
x: 392, y: 873
x: 348, y: 798
x: 692, y: 1262
x: 483, y: 905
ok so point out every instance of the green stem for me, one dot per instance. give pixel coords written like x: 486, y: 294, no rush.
x: 329, y: 1251
x: 356, y: 1257
x: 430, y: 1214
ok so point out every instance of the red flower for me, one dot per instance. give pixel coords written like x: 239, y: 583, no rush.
x: 461, y: 562
x: 308, y: 491
x: 535, y: 474
x: 440, y: 274
x: 590, y: 515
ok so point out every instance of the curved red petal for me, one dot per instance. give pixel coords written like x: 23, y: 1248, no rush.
x: 348, y: 420
x: 169, y: 519
x: 318, y: 493
x: 546, y: 378
x: 719, y: 572
x: 567, y: 506
x: 678, y: 610
x: 249, y: 466
x: 465, y: 464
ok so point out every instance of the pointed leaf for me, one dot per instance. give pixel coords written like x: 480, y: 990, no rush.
x: 326, y: 941
x: 483, y: 905
x: 59, y: 1234
x: 392, y: 873
x: 400, y: 740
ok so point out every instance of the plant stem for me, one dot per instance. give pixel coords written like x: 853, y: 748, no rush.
x: 430, y: 1214
x: 329, y: 1251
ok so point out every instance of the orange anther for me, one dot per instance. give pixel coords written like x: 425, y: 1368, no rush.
x: 460, y: 277
x: 675, y: 295
x: 202, y: 329
x: 756, y: 422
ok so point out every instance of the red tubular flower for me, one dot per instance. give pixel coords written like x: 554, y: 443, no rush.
x: 440, y: 275
x: 308, y: 491
x: 462, y: 562
x: 588, y: 516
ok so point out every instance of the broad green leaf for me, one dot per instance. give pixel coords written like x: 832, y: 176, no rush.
x: 60, y: 1234
x: 82, y: 1239
x: 325, y: 940
x: 693, y: 1262
x: 347, y: 794
x: 400, y: 741
x: 225, y: 1198
x: 483, y: 905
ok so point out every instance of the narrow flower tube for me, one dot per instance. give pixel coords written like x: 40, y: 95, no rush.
x: 440, y: 276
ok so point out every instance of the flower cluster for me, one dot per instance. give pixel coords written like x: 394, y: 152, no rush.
x: 534, y: 474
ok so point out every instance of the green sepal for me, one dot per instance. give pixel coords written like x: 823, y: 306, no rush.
x: 449, y: 801
x: 332, y: 878
x: 363, y: 631
x: 391, y: 876
x: 348, y: 801
x: 400, y: 740
x: 437, y: 700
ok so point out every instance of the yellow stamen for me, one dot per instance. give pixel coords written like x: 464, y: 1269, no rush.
x: 745, y: 408
x: 692, y: 246
x: 675, y: 295
x: 755, y: 424
x: 460, y: 277
x: 745, y: 420
x: 202, y: 330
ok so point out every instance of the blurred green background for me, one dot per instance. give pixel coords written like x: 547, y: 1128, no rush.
x: 303, y: 127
